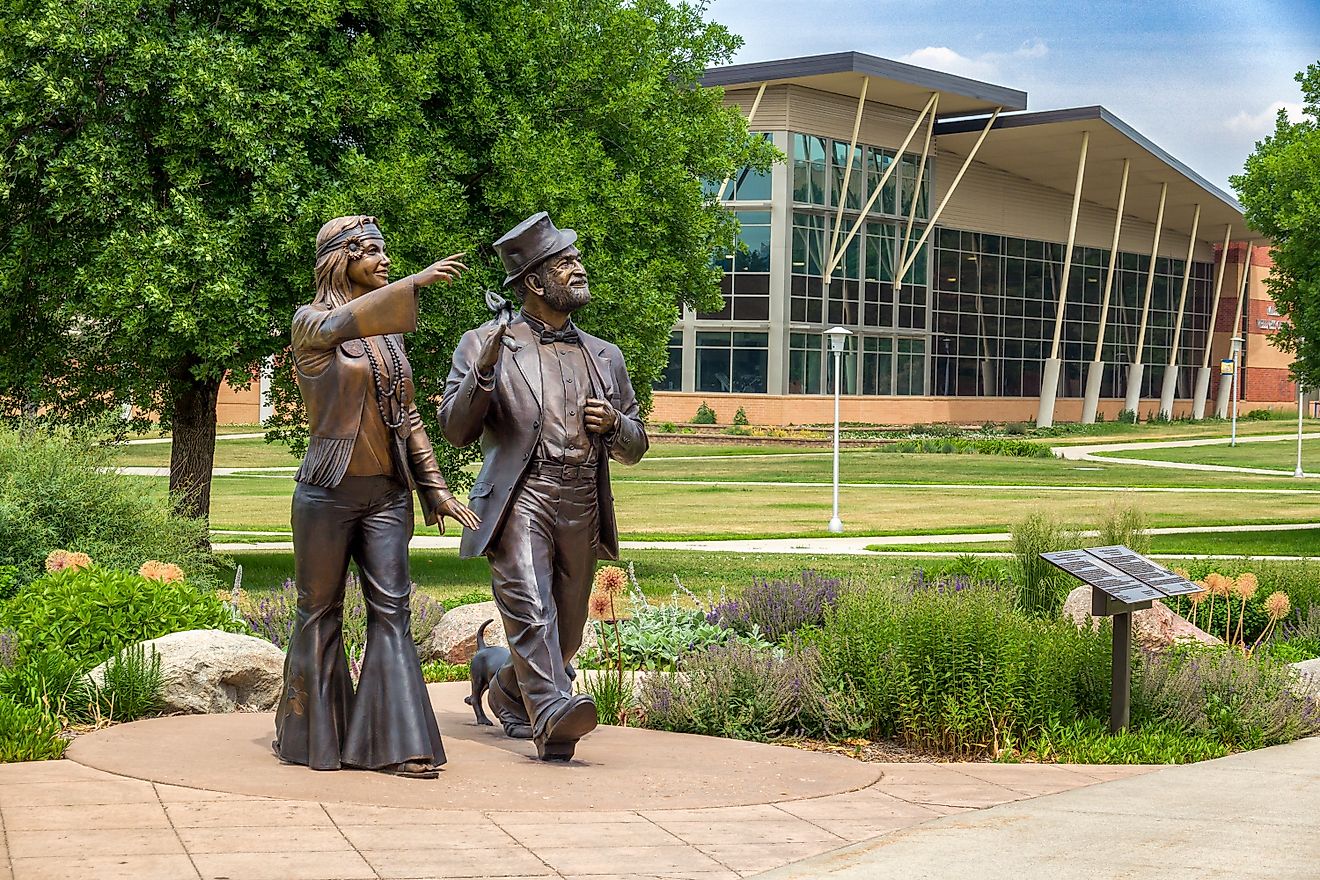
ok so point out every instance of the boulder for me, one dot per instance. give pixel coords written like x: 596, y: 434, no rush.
x: 1308, y: 674
x: 454, y: 638
x: 1153, y: 629
x: 205, y: 671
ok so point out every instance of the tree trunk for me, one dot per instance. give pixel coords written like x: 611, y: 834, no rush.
x: 192, y: 453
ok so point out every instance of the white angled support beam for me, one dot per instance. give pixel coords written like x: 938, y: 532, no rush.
x: 1133, y: 401
x: 953, y: 188
x: 847, y: 171
x: 1049, y: 388
x: 1095, y: 372
x: 1202, y: 390
x: 916, y: 196
x: 879, y: 187
x: 1244, y: 283
x: 1170, y: 385
x: 756, y: 102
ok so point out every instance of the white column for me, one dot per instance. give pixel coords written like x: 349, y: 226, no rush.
x: 1095, y: 373
x: 1133, y: 402
x: 1226, y: 389
x: 1049, y: 386
x: 1170, y: 384
x: 266, y: 408
x: 1203, y: 374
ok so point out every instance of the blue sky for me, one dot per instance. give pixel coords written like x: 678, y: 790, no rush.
x: 1201, y: 78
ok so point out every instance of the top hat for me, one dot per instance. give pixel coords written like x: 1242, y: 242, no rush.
x: 530, y: 242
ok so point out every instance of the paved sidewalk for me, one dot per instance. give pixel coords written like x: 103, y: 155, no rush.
x: 739, y: 808
x: 1247, y: 815
x: 1090, y: 452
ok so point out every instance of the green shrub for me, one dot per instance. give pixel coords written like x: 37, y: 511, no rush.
x: 49, y: 681
x: 705, y: 415
x: 1126, y: 526
x: 660, y: 636
x: 1243, y: 701
x: 970, y: 446
x: 740, y: 417
x: 130, y: 686
x: 28, y: 734
x: 92, y: 613
x: 438, y: 670
x: 1015, y: 429
x: 1041, y: 587
x: 1088, y: 741
x: 960, y: 669
x: 1126, y: 417
x: 744, y: 692
x: 9, y: 581
x: 61, y: 492
x: 667, y: 427
x: 614, y: 695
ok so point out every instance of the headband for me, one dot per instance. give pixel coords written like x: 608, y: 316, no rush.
x: 350, y: 238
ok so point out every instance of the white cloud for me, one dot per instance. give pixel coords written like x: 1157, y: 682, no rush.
x: 1262, y: 122
x: 985, y: 66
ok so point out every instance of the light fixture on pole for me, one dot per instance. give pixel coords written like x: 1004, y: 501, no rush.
x: 838, y: 337
x: 1301, y: 409
x: 1237, y: 378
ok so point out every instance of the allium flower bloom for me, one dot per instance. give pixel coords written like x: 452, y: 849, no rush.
x: 165, y: 572
x: 600, y: 606
x: 78, y: 560
x: 1198, y: 598
x: 611, y: 580
x: 1218, y: 583
x: 57, y: 560
x: 1277, y: 606
x: 1246, y: 585
x: 1182, y: 573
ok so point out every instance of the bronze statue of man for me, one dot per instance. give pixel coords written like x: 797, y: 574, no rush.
x: 551, y: 410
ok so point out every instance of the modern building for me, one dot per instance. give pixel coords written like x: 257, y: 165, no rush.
x: 991, y: 263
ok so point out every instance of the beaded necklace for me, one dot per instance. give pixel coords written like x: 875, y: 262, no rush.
x: 395, y: 382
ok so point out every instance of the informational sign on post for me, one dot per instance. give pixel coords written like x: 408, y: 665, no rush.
x: 1122, y: 581
x: 1226, y: 367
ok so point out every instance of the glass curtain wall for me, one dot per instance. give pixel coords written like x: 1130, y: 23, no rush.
x: 888, y: 354
x: 994, y: 310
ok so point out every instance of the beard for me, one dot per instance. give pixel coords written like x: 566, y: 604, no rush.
x: 565, y: 297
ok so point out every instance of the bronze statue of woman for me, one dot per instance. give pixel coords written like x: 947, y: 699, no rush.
x: 353, y: 500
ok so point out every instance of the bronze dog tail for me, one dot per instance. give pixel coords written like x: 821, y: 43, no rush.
x: 481, y: 634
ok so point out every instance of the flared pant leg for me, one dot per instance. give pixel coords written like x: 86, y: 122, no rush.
x: 392, y: 720
x: 314, y: 708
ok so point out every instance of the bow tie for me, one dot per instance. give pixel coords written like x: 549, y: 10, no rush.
x: 568, y: 334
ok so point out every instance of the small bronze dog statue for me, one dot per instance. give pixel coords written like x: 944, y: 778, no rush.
x: 485, y: 664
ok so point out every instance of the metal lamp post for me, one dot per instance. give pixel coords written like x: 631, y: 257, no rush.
x: 1237, y: 376
x: 1301, y: 408
x: 838, y: 337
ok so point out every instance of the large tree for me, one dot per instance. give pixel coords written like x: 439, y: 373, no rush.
x: 165, y: 164
x: 1280, y: 189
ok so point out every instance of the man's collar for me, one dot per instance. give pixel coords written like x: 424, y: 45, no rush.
x: 538, y: 325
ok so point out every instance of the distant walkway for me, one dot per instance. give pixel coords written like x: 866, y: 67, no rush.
x: 1247, y: 815
x: 1091, y: 452
x: 845, y: 546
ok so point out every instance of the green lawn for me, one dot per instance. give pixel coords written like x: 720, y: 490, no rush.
x: 253, y: 453
x: 1273, y: 454
x: 442, y: 574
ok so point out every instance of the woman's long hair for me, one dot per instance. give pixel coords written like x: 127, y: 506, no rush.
x: 332, y: 265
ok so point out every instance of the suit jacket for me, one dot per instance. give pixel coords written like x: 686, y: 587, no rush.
x: 335, y: 379
x: 507, y: 419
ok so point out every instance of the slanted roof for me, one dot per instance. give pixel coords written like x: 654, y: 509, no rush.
x: 892, y: 82
x: 1043, y: 148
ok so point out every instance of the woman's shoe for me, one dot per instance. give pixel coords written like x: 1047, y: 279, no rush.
x: 412, y: 770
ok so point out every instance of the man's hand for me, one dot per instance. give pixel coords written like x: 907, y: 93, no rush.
x: 455, y: 509
x: 447, y: 269
x: 600, y: 416
x: 489, y: 355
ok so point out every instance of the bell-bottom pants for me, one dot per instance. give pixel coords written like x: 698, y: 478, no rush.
x: 320, y: 722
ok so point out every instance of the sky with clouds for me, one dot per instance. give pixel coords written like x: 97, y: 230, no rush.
x: 1201, y: 78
